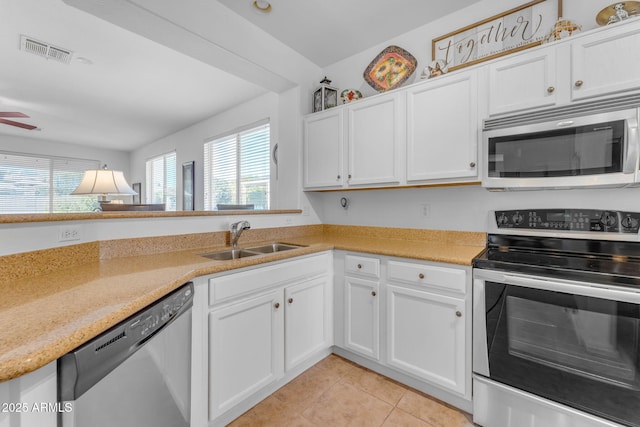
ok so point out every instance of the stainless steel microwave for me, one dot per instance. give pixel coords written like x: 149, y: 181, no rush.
x: 590, y: 150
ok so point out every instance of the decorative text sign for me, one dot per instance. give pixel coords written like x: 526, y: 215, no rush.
x: 511, y: 31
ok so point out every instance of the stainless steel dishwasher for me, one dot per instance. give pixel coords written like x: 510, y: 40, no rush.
x: 136, y: 373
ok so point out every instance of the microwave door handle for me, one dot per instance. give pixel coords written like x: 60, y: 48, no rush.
x: 631, y: 147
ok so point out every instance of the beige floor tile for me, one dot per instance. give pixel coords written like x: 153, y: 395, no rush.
x: 381, y: 387
x: 433, y: 412
x: 304, y: 389
x: 271, y: 412
x: 345, y: 405
x: 400, y: 418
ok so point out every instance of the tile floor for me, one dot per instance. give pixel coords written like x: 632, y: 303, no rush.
x: 336, y: 392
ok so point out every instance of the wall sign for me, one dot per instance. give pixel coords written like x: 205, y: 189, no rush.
x: 511, y: 31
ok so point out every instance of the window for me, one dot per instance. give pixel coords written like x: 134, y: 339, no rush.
x: 237, y: 170
x: 161, y: 181
x: 43, y: 184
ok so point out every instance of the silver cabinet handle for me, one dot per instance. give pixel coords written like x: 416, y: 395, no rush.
x: 551, y: 89
x: 458, y: 314
x: 421, y: 276
x: 290, y: 300
x: 472, y: 164
x: 276, y: 305
x: 373, y: 293
x: 359, y: 266
x: 579, y: 83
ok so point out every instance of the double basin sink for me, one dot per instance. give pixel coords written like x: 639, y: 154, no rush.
x: 231, y: 254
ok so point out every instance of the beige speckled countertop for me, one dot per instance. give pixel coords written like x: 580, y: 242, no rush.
x: 54, y: 300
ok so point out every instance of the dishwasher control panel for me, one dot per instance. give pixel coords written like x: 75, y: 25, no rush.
x: 154, y: 318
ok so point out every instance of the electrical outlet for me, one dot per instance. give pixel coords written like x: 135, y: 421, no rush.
x: 425, y: 210
x: 68, y: 233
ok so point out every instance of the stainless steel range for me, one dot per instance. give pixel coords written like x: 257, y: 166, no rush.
x: 557, y: 319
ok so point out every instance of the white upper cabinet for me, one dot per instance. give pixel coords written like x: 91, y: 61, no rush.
x: 324, y: 149
x: 442, y: 128
x: 523, y: 81
x: 602, y: 63
x: 374, y: 137
x: 606, y: 62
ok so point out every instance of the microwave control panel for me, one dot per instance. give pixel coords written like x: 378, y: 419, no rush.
x: 569, y: 220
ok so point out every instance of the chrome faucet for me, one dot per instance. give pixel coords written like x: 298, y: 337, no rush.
x: 236, y: 230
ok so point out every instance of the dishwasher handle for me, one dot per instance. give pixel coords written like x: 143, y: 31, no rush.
x: 82, y: 368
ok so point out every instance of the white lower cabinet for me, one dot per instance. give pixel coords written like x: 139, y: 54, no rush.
x: 308, y: 320
x: 245, y: 350
x: 409, y: 320
x: 426, y: 336
x: 265, y: 324
x: 362, y: 316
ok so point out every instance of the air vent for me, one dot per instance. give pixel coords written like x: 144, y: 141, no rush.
x: 111, y: 341
x: 45, y: 50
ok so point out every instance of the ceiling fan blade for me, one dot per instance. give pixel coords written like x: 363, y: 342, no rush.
x: 12, y: 114
x: 17, y: 124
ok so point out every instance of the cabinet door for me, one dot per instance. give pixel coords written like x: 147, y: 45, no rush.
x: 374, y: 138
x: 245, y: 350
x: 443, y: 128
x: 606, y: 62
x: 524, y: 81
x: 308, y: 320
x: 323, y: 149
x: 362, y: 316
x: 426, y: 336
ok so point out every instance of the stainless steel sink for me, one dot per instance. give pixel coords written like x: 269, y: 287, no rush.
x: 273, y: 247
x: 230, y: 254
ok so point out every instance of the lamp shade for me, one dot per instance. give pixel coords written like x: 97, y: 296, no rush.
x: 103, y: 182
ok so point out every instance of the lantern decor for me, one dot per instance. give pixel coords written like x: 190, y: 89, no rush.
x: 325, y: 96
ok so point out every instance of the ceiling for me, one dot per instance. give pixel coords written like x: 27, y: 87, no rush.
x: 135, y: 90
x: 328, y: 31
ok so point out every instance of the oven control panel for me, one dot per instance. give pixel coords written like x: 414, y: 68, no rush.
x: 570, y: 220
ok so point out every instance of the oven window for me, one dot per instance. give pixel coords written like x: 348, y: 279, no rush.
x: 584, y: 150
x: 580, y: 351
x: 588, y: 340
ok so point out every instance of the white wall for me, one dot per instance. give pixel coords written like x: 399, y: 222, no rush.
x: 188, y: 143
x: 457, y: 208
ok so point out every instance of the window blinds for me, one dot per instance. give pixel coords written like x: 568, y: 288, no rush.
x: 42, y: 184
x: 237, y: 169
x: 161, y: 181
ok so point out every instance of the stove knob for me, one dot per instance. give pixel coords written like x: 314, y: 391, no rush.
x: 629, y: 222
x: 607, y: 219
x: 517, y: 218
x: 502, y: 219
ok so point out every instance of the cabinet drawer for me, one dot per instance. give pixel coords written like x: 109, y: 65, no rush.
x: 238, y: 284
x: 362, y: 266
x: 431, y: 276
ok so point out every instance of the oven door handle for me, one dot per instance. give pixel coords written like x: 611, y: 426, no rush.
x: 594, y: 290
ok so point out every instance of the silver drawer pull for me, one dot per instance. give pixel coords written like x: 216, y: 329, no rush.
x: 421, y: 275
x: 359, y: 266
x: 373, y: 293
x: 458, y: 314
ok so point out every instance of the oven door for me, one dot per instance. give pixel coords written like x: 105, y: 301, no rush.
x: 570, y: 342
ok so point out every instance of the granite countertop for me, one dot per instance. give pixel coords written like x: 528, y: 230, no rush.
x: 51, y: 305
